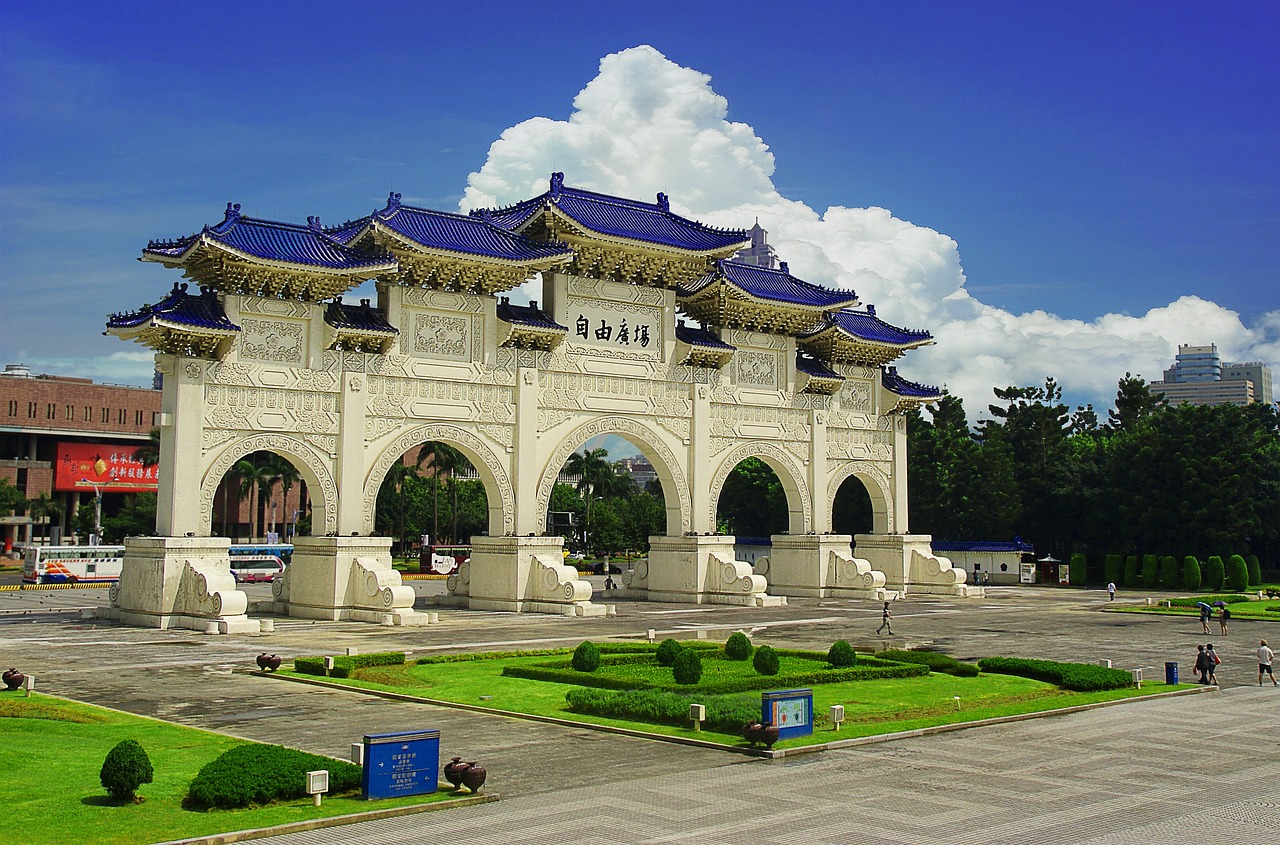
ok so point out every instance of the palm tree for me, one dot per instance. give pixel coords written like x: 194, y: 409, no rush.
x: 593, y: 473
x: 149, y: 454
x: 442, y: 459
x: 285, y: 473
x: 42, y: 506
x: 254, y: 478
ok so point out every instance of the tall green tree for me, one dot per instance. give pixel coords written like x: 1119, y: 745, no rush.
x: 1134, y: 403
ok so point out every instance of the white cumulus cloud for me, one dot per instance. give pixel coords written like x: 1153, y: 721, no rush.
x: 646, y: 124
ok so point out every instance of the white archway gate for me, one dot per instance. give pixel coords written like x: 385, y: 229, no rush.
x: 780, y: 370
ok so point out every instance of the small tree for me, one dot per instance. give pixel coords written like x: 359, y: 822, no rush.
x: 586, y: 657
x: 1191, y: 575
x: 1237, y: 574
x: 1214, y: 573
x: 1113, y: 569
x: 126, y: 768
x: 765, y: 660
x: 738, y: 647
x: 1150, y: 571
x: 1255, y: 570
x: 667, y: 651
x: 687, y: 667
x: 1079, y: 569
x: 1169, y: 571
x: 1131, y: 571
x: 841, y: 655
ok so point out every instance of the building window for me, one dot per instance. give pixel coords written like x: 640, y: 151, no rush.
x: 120, y: 417
x: 137, y: 418
x: 155, y: 418
x: 71, y: 413
x: 13, y: 407
x: 31, y: 410
x: 51, y: 411
x: 88, y: 414
x: 106, y: 415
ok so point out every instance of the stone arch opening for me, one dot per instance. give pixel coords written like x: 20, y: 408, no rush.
x: 788, y: 472
x: 312, y: 470
x: 499, y: 496
x: 875, y: 484
x: 666, y: 466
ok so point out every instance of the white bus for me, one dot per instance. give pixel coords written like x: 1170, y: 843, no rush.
x: 72, y: 564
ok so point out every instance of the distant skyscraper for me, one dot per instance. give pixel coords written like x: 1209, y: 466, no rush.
x: 1198, y: 377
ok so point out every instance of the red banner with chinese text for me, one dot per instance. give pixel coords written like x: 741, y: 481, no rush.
x: 111, y: 466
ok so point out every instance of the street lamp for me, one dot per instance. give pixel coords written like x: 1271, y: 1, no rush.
x: 97, y: 511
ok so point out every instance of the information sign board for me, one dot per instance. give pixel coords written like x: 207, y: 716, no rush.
x: 398, y: 764
x: 790, y: 710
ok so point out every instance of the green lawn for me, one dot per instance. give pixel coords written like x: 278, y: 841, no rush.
x: 1267, y: 610
x: 871, y: 706
x: 51, y: 752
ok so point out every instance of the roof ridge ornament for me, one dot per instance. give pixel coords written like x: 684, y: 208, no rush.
x: 557, y: 185
x: 233, y: 212
x: 871, y: 310
x: 313, y: 223
x: 393, y: 202
x: 664, y: 202
x: 782, y: 265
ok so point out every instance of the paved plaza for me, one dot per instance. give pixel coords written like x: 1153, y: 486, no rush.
x: 1173, y: 770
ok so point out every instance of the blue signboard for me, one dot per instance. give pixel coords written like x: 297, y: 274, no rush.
x: 398, y: 764
x: 791, y: 710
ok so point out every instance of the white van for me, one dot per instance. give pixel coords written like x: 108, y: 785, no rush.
x: 251, y: 569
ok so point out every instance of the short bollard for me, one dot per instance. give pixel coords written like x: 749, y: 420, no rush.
x: 837, y: 716
x: 29, y: 684
x: 697, y: 714
x: 1137, y: 677
x: 957, y: 701
x: 357, y: 753
x: 653, y: 635
x: 328, y: 665
x: 317, y: 784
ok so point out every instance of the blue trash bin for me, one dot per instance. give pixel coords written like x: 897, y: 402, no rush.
x: 1171, y: 673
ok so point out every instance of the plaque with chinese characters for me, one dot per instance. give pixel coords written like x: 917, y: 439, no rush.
x: 401, y: 764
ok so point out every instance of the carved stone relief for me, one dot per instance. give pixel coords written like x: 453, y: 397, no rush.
x: 273, y: 341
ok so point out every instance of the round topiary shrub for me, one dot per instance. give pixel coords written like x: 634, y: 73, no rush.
x: 126, y: 768
x: 586, y: 657
x: 667, y: 651
x: 1215, y: 573
x: 738, y: 647
x: 765, y: 660
x: 1255, y: 570
x: 687, y: 667
x: 1169, y: 572
x: 1237, y: 574
x: 1191, y: 575
x: 841, y: 655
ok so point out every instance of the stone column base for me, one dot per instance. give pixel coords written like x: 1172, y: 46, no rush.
x: 910, y: 566
x: 345, y: 579
x: 522, y: 575
x: 819, y: 566
x: 179, y: 582
x: 698, y: 570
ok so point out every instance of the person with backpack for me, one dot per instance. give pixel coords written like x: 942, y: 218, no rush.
x: 1223, y: 618
x: 1203, y: 664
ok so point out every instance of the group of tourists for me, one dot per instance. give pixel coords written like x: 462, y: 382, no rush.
x: 1206, y: 614
x: 1207, y: 662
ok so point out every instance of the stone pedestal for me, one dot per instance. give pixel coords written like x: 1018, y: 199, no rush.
x: 819, y: 566
x: 179, y: 582
x: 522, y: 575
x: 910, y: 566
x: 345, y: 579
x: 698, y: 570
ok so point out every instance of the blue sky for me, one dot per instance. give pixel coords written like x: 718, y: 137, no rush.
x: 1115, y: 166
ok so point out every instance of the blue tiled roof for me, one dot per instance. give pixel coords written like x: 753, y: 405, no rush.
x: 866, y: 325
x: 773, y: 286
x: 527, y: 315
x: 623, y: 218
x: 695, y: 336
x: 896, y: 384
x: 203, y: 311
x: 1018, y: 545
x: 362, y: 317
x: 269, y: 240
x: 813, y: 367
x: 472, y: 234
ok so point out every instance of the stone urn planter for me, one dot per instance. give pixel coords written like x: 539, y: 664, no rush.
x: 473, y: 776
x: 13, y: 678
x: 268, y: 662
x: 453, y: 771
x: 765, y: 734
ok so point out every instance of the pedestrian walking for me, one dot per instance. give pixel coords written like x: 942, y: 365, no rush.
x: 1205, y: 614
x: 1214, y: 661
x: 1111, y: 591
x: 608, y: 583
x: 1203, y: 663
x: 886, y: 619
x: 1265, y: 658
x: 1223, y: 618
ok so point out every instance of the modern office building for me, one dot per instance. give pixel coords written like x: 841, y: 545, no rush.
x: 1199, y: 377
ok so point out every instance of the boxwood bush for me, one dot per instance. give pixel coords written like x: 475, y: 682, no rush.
x: 260, y: 774
x: 1150, y: 570
x: 765, y: 660
x: 1192, y: 577
x: 126, y: 768
x: 1192, y: 601
x: 345, y: 665
x: 687, y: 667
x: 1215, y: 573
x: 1079, y: 568
x: 1255, y: 570
x: 667, y: 651
x: 1169, y: 571
x: 1237, y: 575
x: 936, y: 661
x: 738, y: 647
x: 1131, y: 570
x: 841, y: 655
x: 586, y: 657
x: 1080, y: 677
x: 1113, y: 569
x: 726, y: 714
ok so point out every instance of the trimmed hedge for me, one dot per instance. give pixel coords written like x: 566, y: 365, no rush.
x: 126, y: 768
x: 1150, y: 570
x: 1192, y: 577
x: 1255, y: 570
x: 1079, y: 677
x: 667, y: 651
x: 1113, y: 569
x: 1169, y: 571
x: 1131, y: 571
x: 765, y: 660
x: 1079, y: 568
x: 260, y: 774
x: 1192, y: 601
x: 936, y: 661
x: 1237, y: 574
x: 345, y: 665
x: 1215, y: 573
x: 738, y: 646
x: 687, y: 668
x: 841, y: 655
x: 586, y: 657
x: 656, y: 707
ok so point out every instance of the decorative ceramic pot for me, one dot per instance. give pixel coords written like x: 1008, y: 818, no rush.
x: 766, y: 734
x: 473, y: 776
x: 453, y: 771
x: 769, y: 734
x: 13, y: 678
x: 268, y: 662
